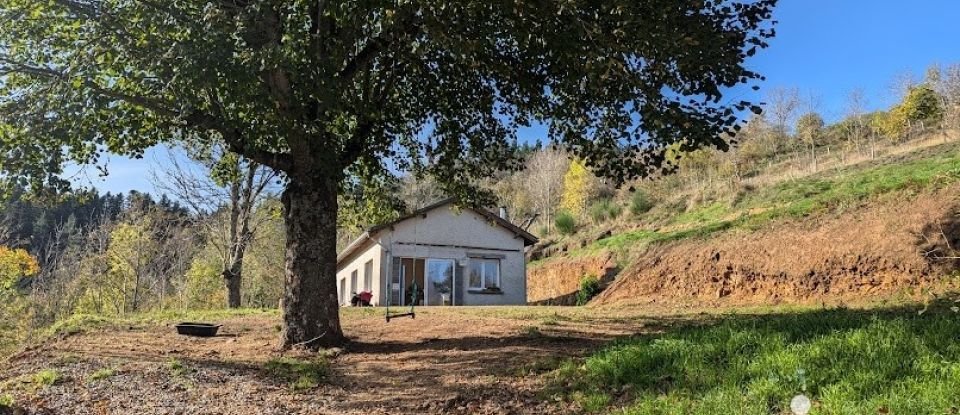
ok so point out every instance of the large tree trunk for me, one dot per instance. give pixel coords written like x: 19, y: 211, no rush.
x: 311, y: 314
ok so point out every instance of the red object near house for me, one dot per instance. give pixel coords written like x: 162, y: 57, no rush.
x: 365, y: 297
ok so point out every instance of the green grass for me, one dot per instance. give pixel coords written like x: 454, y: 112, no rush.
x: 711, y: 213
x: 927, y: 169
x: 46, y: 377
x: 177, y: 367
x: 846, y: 361
x: 102, y: 374
x: 299, y: 374
x: 7, y: 401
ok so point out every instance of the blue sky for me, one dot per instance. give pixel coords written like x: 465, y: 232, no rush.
x: 824, y: 48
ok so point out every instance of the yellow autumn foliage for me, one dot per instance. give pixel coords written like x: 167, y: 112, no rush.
x: 16, y: 264
x: 578, y: 185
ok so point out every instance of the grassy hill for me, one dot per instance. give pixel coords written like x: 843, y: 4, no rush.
x: 908, y: 171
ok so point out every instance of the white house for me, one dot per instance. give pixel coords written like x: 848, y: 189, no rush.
x: 453, y: 256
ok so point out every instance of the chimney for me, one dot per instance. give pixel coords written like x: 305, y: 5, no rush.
x: 503, y: 213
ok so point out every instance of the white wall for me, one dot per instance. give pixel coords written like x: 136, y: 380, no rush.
x: 373, y: 253
x: 448, y: 234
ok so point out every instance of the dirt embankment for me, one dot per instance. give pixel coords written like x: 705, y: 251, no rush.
x: 888, y: 248
x: 556, y: 283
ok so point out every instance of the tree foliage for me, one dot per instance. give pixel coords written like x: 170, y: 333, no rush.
x: 14, y: 265
x: 282, y: 80
x: 577, y: 188
x: 920, y: 105
x: 324, y: 91
x: 810, y: 128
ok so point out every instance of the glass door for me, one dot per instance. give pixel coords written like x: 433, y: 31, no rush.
x: 395, y: 285
x: 439, y: 286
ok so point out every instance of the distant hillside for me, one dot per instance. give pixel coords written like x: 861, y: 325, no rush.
x: 864, y: 228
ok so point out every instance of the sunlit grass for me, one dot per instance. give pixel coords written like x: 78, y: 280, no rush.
x: 846, y: 361
x: 796, y: 198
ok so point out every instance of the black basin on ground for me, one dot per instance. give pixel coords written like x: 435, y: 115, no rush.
x: 198, y: 329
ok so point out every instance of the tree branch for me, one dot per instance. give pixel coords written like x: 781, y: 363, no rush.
x: 234, y: 140
x: 376, y: 45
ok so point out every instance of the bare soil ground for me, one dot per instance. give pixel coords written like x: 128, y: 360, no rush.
x: 886, y: 249
x: 463, y: 360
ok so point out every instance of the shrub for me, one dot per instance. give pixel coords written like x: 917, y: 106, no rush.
x: 46, y: 377
x: 604, y: 210
x: 640, y: 203
x: 7, y: 401
x: 589, y: 288
x: 566, y: 223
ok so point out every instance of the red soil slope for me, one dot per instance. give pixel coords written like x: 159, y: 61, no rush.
x: 884, y: 249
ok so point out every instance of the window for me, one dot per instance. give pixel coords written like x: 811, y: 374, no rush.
x: 343, y: 291
x: 353, y: 282
x: 368, y: 276
x: 484, y: 274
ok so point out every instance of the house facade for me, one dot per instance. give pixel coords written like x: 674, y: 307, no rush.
x: 438, y: 255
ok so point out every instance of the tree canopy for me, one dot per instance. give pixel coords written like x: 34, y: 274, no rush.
x: 325, y: 90
x: 369, y: 81
x: 810, y: 127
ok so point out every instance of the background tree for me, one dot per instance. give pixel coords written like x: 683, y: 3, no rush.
x: 782, y: 107
x: 810, y: 130
x: 324, y: 90
x: 365, y: 201
x: 922, y: 105
x: 902, y: 83
x: 577, y: 188
x: 543, y: 181
x: 16, y: 264
x: 950, y: 87
x: 855, y: 122
x: 224, y: 189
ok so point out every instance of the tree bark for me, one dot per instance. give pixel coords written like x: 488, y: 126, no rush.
x: 232, y: 278
x: 311, y: 314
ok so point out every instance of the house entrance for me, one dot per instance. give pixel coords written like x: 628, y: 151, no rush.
x: 434, y: 279
x: 439, y: 282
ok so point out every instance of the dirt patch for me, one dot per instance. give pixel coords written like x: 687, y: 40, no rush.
x: 464, y: 360
x: 880, y: 250
x: 557, y: 282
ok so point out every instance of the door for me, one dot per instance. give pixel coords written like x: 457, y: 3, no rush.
x: 439, y: 284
